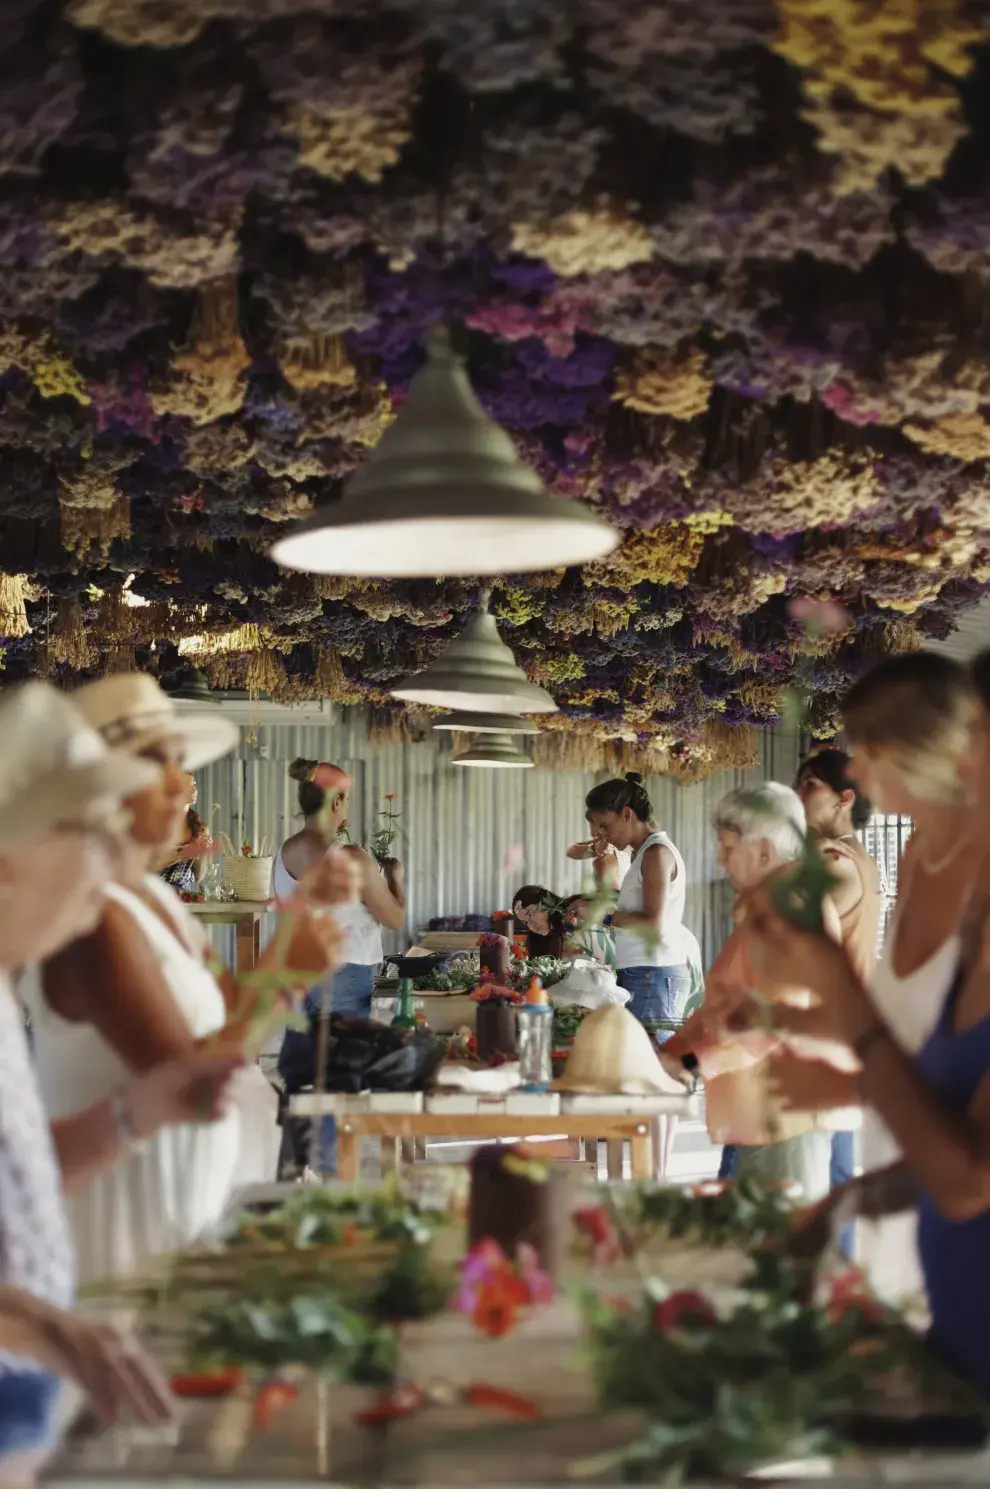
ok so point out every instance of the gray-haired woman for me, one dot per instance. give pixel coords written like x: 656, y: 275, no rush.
x: 760, y: 832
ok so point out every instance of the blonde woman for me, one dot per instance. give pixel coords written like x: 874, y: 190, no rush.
x: 909, y: 724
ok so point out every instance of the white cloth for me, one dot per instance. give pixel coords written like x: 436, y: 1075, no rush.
x: 887, y: 1249
x: 364, y: 934
x: 631, y: 950
x: 35, y: 1244
x: 162, y: 1196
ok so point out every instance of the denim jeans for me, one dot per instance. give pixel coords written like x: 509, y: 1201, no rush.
x: 349, y: 993
x: 842, y: 1168
x: 28, y: 1410
x: 729, y: 1165
x: 658, y: 995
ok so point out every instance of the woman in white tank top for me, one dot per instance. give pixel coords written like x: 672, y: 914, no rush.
x: 324, y: 792
x: 650, y: 953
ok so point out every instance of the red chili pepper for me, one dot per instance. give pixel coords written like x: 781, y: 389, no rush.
x: 270, y: 1400
x: 207, y: 1383
x: 398, y: 1403
x: 495, y: 1400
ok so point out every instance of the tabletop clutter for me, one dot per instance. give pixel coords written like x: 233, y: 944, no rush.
x: 474, y: 1316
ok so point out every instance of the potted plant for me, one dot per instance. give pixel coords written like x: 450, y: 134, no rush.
x: 495, y: 1029
x: 383, y: 838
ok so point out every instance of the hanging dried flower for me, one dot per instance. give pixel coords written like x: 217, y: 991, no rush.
x: 585, y: 242
x: 207, y: 375
x: 171, y: 258
x: 963, y: 436
x: 658, y: 382
x: 142, y: 23
x: 13, y: 611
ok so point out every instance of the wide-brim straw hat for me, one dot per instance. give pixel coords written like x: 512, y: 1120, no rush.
x: 612, y: 1054
x: 56, y: 767
x: 133, y: 714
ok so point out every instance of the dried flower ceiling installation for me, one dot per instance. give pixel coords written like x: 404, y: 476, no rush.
x: 719, y: 267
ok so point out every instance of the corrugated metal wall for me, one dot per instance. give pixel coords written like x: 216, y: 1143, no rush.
x: 457, y: 823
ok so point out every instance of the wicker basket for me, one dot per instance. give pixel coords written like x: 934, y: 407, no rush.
x: 249, y: 878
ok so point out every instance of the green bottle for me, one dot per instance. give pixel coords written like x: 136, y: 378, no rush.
x: 404, y: 1016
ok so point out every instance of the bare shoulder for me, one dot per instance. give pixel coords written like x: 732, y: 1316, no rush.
x: 659, y: 858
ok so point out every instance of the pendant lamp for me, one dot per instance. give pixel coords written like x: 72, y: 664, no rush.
x: 496, y: 750
x: 443, y: 493
x: 478, y: 673
x: 486, y: 723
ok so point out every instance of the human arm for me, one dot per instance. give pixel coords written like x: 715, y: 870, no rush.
x: 384, y: 896
x: 659, y: 867
x: 808, y: 1085
x: 885, y: 1191
x: 846, y: 889
x: 193, y: 1088
x: 119, y: 1379
x: 947, y: 1149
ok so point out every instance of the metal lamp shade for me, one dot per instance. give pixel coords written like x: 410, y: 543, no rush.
x: 496, y: 750
x: 444, y: 493
x: 486, y: 723
x: 478, y: 673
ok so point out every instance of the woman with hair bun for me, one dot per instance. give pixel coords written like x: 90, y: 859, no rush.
x: 649, y: 952
x: 324, y: 794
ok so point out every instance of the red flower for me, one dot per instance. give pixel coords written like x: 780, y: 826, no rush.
x: 850, y: 1294
x: 681, y: 1308
x: 593, y: 1222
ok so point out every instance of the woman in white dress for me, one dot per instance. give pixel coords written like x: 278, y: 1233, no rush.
x: 136, y: 993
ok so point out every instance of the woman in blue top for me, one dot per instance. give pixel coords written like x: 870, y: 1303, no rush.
x: 935, y: 1102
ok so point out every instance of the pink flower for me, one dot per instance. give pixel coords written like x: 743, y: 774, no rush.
x: 686, y: 1307
x: 818, y: 615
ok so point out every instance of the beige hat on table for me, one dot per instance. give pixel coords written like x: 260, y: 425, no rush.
x: 132, y: 713
x: 54, y: 766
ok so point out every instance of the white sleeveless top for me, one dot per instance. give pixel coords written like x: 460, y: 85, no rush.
x: 910, y: 1006
x: 630, y: 949
x: 165, y: 1194
x: 364, y: 934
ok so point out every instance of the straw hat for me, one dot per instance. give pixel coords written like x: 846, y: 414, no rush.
x: 55, y: 766
x: 133, y: 713
x: 613, y: 1055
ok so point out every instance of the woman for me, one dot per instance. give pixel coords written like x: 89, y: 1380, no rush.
x: 909, y: 728
x: 581, y: 939
x: 324, y: 794
x: 649, y: 954
x: 761, y: 835
x: 136, y: 994
x: 933, y: 1099
x: 185, y: 867
x: 542, y: 914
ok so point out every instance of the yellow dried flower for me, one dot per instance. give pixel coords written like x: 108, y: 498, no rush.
x: 963, y: 436
x: 207, y: 379
x: 655, y: 381
x: 142, y: 23
x: 585, y: 241
x: 143, y: 240
x: 316, y: 361
x: 338, y: 143
x: 667, y: 554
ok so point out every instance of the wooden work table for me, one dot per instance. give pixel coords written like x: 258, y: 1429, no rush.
x: 245, y: 916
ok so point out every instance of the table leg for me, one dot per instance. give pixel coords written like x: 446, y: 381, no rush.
x: 641, y: 1152
x: 247, y: 946
x: 348, y: 1154
x: 614, y: 1158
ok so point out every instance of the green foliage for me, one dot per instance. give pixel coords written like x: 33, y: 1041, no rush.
x: 800, y: 893
x: 314, y: 1330
x: 567, y: 1020
x: 447, y: 980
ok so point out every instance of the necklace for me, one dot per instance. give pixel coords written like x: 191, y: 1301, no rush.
x: 926, y: 864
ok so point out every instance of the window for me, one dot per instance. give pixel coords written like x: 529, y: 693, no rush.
x: 884, y: 838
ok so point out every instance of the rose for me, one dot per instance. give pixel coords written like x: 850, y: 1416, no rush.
x: 686, y: 1307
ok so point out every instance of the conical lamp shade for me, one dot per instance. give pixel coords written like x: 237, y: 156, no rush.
x: 496, y: 750
x: 444, y: 493
x: 486, y: 723
x: 478, y: 673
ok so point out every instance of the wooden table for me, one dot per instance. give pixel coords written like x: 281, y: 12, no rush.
x: 411, y: 1115
x: 245, y: 916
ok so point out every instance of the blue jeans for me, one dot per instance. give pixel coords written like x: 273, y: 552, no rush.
x: 349, y: 993
x: 28, y: 1401
x: 658, y: 995
x: 841, y: 1169
x: 729, y: 1166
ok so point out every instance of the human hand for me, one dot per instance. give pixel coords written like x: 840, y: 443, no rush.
x: 119, y: 1378
x: 784, y: 956
x: 394, y: 870
x: 335, y: 879
x: 799, y: 1085
x: 192, y: 1088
